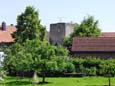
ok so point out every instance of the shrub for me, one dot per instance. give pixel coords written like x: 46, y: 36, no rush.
x: 91, y: 71
x: 70, y: 67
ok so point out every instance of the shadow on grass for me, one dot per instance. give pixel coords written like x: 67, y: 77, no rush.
x: 16, y: 83
x: 45, y: 83
x: 23, y: 83
x: 20, y: 83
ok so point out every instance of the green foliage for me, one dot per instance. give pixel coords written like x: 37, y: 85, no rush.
x: 28, y: 26
x: 52, y: 66
x: 107, y: 68
x: 2, y: 72
x: 61, y: 64
x: 26, y: 59
x: 31, y: 52
x: 17, y: 60
x: 60, y: 51
x: 90, y: 71
x: 58, y: 66
x: 87, y: 28
x: 68, y: 42
x: 95, y: 66
x: 35, y: 55
x: 70, y: 67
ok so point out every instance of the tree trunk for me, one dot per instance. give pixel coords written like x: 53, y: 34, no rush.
x: 43, y: 73
x: 43, y: 78
x: 109, y: 80
x: 35, y: 78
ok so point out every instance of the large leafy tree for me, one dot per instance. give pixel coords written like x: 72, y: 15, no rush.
x: 28, y: 26
x: 87, y: 28
x: 30, y: 52
x: 32, y: 56
x: 41, y: 52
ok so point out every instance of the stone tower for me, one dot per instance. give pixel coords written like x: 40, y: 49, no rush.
x: 58, y: 31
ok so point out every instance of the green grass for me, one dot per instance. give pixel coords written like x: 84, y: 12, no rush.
x: 59, y: 81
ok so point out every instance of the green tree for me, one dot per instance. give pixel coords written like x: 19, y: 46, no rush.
x: 30, y: 52
x: 28, y: 26
x: 68, y: 42
x: 87, y: 28
x: 60, y: 51
x: 41, y: 52
x: 12, y: 59
x: 33, y: 55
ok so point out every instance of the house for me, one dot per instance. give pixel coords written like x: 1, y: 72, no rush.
x: 58, y: 31
x: 103, y: 46
x: 107, y: 34
x: 5, y: 37
x: 5, y: 33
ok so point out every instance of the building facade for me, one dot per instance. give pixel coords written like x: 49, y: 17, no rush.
x: 5, y: 34
x: 58, y: 31
x: 102, y: 47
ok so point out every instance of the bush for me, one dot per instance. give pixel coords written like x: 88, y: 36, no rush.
x: 70, y: 67
x: 95, y: 66
x: 51, y: 68
x: 78, y: 64
x: 91, y: 71
x: 59, y: 65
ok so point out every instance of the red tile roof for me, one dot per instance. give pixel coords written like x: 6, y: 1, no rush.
x: 93, y: 44
x: 5, y: 36
x: 108, y: 34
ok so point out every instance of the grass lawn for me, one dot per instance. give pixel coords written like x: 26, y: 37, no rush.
x: 59, y: 81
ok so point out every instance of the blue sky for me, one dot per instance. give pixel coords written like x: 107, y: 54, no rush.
x: 53, y: 11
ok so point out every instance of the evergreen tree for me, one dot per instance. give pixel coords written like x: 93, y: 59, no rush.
x: 28, y: 26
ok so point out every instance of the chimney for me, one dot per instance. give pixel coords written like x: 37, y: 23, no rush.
x: 3, y: 26
x: 11, y: 25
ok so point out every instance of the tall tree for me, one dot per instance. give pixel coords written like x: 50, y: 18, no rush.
x: 87, y: 28
x: 28, y: 26
x: 43, y: 52
x: 30, y: 51
x: 32, y: 56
